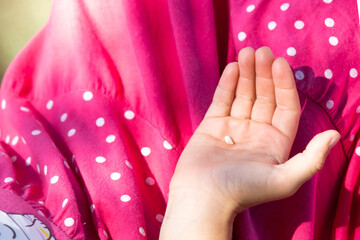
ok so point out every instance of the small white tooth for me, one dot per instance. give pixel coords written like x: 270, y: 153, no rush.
x: 228, y: 140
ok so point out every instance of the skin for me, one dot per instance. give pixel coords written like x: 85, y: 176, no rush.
x: 256, y: 103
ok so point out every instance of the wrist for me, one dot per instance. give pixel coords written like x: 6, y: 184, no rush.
x: 196, y: 215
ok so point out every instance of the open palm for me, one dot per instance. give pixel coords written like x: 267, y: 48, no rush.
x: 256, y: 104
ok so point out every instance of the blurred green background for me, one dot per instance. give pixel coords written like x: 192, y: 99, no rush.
x: 20, y: 20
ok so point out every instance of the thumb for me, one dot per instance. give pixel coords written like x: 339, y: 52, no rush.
x: 303, y: 166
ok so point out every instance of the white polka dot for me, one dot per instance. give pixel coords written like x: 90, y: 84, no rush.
x: 328, y: 74
x: 73, y: 158
x: 8, y: 179
x: 327, y: 1
x: 13, y: 158
x: 28, y: 161
x: 92, y: 207
x: 63, y: 117
x: 159, y: 217
x: 100, y: 159
x: 115, y: 176
x: 38, y: 168
x: 24, y: 109
x: 71, y: 132
x: 128, y: 164
x: 66, y: 164
x: 15, y: 140
x: 329, y: 22
x: 241, y: 36
x: 167, y: 145
x: 357, y: 151
x: 145, y: 151
x: 250, y: 8
x: 23, y: 140
x: 299, y: 75
x: 3, y: 104
x: 45, y: 170
x: 41, y: 202
x: 284, y: 6
x: 7, y: 139
x: 35, y: 132
x: 26, y: 186
x: 87, y: 96
x: 69, y: 222
x: 352, y: 137
x: 41, y: 213
x: 65, y: 202
x: 100, y: 122
x: 150, y: 181
x: 54, y: 179
x: 291, y: 51
x: 353, y: 73
x: 333, y: 41
x: 272, y: 25
x: 358, y: 109
x: 49, y: 104
x: 142, y: 231
x: 125, y: 198
x: 110, y: 138
x: 330, y: 104
x: 299, y: 24
x: 105, y: 234
x: 129, y: 114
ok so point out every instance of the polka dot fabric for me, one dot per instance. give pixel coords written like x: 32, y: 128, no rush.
x: 97, y: 108
x: 52, y: 168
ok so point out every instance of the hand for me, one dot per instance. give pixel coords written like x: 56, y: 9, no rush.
x: 256, y: 104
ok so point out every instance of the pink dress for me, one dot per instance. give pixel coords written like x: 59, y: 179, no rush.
x: 97, y: 108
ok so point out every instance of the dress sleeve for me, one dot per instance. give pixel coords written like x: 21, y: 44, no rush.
x: 91, y: 166
x: 38, y: 178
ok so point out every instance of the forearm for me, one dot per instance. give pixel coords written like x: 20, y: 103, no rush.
x: 192, y: 215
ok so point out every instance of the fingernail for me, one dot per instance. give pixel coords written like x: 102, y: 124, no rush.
x: 334, y: 140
